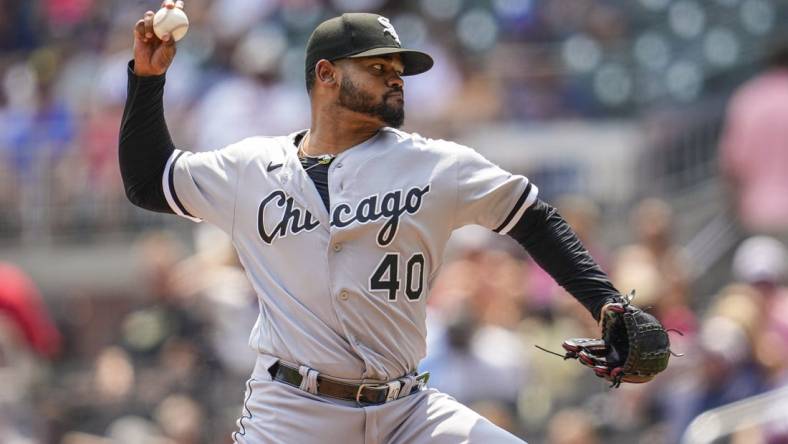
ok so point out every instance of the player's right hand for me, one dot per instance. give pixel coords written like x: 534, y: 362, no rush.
x: 152, y: 56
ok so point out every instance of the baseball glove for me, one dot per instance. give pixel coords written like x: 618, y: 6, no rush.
x: 634, y: 346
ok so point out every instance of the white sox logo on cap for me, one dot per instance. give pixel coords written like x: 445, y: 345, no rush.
x: 389, y: 28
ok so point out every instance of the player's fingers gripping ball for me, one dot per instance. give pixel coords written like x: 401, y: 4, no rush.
x: 171, y: 19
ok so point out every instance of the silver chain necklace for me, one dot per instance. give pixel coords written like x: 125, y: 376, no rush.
x: 323, y: 159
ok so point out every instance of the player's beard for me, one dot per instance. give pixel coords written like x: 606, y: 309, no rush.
x: 354, y: 99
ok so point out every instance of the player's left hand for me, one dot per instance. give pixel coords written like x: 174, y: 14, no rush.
x: 634, y: 346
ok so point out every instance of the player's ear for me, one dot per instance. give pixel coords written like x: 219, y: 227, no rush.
x: 326, y: 73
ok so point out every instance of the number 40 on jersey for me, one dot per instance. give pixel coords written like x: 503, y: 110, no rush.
x: 387, y: 276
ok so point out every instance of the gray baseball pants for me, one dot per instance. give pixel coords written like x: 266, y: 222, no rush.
x: 275, y: 412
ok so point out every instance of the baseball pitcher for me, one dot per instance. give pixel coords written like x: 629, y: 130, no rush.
x: 341, y: 228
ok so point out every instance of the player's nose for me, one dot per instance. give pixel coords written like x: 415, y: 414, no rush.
x: 395, y: 82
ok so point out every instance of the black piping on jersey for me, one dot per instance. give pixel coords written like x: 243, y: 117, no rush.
x: 515, y: 209
x: 553, y: 245
x: 171, y: 184
x: 245, y: 411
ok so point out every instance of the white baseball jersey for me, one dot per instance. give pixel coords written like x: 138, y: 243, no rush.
x: 344, y: 291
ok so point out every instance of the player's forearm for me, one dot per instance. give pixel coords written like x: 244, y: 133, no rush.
x: 553, y: 244
x: 145, y: 143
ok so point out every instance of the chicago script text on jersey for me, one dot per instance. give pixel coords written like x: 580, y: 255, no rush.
x: 390, y: 206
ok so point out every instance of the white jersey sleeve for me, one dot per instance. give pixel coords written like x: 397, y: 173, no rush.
x: 203, y: 186
x: 488, y: 195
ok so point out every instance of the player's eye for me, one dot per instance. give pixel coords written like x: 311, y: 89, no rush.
x: 377, y: 67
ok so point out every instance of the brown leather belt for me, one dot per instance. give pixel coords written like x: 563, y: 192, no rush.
x: 363, y: 394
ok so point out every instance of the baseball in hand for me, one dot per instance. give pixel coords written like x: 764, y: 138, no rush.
x: 170, y: 21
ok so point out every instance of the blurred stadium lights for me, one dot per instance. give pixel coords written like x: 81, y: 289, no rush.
x: 581, y: 53
x: 259, y: 51
x: 442, y: 9
x: 358, y: 5
x: 686, y: 18
x: 411, y: 28
x: 655, y: 5
x: 684, y: 80
x: 230, y: 21
x: 721, y: 47
x: 303, y: 16
x: 613, y: 84
x: 652, y: 50
x: 512, y: 9
x: 477, y: 29
x: 757, y: 16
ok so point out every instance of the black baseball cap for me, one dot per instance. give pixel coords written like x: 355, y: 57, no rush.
x: 359, y: 34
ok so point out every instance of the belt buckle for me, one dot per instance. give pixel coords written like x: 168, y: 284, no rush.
x: 394, y: 388
x: 358, y: 393
x: 423, y: 379
x: 392, y: 393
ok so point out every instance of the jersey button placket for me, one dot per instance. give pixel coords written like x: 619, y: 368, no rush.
x: 335, y: 177
x: 344, y: 295
x: 337, y: 247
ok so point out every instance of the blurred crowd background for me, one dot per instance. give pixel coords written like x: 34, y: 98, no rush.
x: 657, y: 127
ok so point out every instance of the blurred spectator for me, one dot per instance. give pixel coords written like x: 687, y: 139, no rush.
x: 21, y: 303
x: 215, y: 283
x: 761, y: 260
x: 572, y: 426
x: 134, y: 429
x: 728, y: 373
x: 467, y: 349
x: 42, y: 125
x: 726, y: 366
x: 254, y: 101
x: 754, y: 149
x: 762, y: 263
x: 180, y: 417
x: 472, y: 321
x: 656, y: 267
x: 27, y: 338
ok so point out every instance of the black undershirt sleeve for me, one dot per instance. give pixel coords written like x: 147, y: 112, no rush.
x: 144, y: 144
x: 553, y: 244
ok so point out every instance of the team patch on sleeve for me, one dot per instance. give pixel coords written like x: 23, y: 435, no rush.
x: 168, y: 185
x: 526, y: 199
